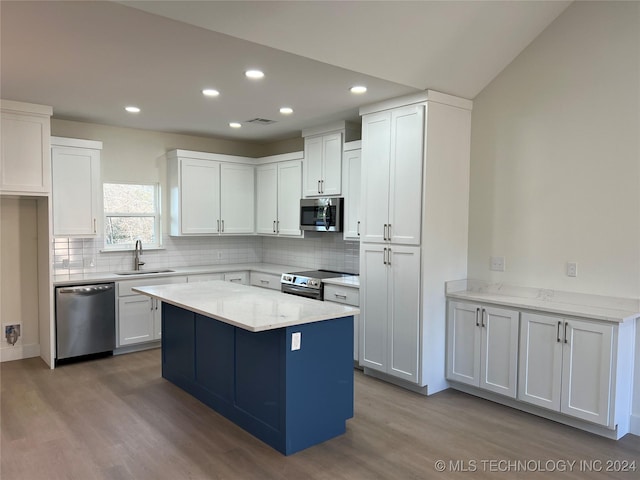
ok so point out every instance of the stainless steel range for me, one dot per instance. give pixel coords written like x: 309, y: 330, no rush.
x: 308, y: 284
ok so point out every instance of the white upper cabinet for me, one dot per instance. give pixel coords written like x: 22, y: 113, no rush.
x: 75, y: 170
x: 237, y: 185
x: 323, y: 165
x: 25, y: 164
x: 351, y: 181
x: 392, y: 150
x: 210, y: 197
x: 278, y: 193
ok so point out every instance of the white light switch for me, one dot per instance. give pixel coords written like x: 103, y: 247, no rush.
x: 496, y: 264
x: 295, y: 340
x: 572, y: 269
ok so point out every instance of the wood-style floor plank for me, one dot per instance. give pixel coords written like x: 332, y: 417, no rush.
x: 116, y: 418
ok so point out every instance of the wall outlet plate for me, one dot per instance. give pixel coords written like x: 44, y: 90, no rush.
x: 497, y: 264
x: 572, y: 269
x: 295, y: 340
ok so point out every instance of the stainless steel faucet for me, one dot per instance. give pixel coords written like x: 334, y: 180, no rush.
x: 136, y: 255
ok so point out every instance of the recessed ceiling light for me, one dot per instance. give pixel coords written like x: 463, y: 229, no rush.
x: 235, y: 125
x: 254, y: 74
x: 132, y: 109
x: 286, y: 110
x: 210, y: 92
x: 358, y: 89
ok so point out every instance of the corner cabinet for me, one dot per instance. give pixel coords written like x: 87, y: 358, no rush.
x: 482, y: 347
x: 566, y: 366
x: 278, y: 193
x: 25, y: 165
x: 210, y: 197
x: 75, y: 171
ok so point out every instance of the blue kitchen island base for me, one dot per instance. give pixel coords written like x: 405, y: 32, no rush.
x: 289, y: 399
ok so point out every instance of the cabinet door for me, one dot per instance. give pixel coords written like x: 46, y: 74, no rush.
x: 237, y: 277
x: 312, y: 166
x: 586, y: 370
x: 25, y: 164
x: 405, y: 174
x: 267, y: 199
x: 331, y: 164
x: 237, y: 187
x: 464, y: 339
x: 499, y: 350
x: 351, y: 182
x: 374, y: 307
x: 156, y: 307
x: 376, y: 142
x: 76, y: 180
x: 135, y: 320
x: 199, y: 197
x: 540, y: 366
x: 289, y: 195
x: 403, y: 265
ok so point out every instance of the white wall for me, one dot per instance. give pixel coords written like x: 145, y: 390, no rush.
x: 555, y: 160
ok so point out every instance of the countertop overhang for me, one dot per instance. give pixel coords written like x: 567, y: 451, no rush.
x: 250, y: 308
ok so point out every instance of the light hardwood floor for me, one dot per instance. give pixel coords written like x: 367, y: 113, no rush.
x: 116, y: 418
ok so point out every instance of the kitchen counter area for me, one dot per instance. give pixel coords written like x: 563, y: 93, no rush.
x: 280, y: 366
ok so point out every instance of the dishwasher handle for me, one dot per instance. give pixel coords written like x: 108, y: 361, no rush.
x: 86, y: 289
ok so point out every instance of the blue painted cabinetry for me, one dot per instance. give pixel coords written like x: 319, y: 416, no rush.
x: 291, y: 400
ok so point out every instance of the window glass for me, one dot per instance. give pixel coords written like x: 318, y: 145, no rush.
x: 131, y: 213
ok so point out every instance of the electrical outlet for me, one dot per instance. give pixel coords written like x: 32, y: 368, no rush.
x: 219, y: 255
x: 65, y: 263
x: 497, y: 264
x: 572, y: 269
x: 296, y: 337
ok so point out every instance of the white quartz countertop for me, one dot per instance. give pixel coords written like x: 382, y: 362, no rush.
x: 251, y: 308
x: 79, y: 279
x: 350, y: 281
x: 596, y: 307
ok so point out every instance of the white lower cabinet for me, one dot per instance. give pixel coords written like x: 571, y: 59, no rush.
x: 205, y: 277
x: 265, y: 280
x: 390, y: 309
x: 566, y: 366
x: 482, y: 347
x: 139, y: 316
x: 346, y: 296
x: 237, y: 277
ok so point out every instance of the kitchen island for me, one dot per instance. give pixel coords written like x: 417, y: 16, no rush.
x: 279, y: 366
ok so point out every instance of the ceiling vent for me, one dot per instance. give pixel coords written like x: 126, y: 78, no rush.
x: 260, y: 121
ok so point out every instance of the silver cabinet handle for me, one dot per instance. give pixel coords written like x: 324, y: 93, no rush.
x: 95, y: 229
x: 482, y: 324
x: 264, y: 281
x: 477, y: 317
x: 218, y: 225
x: 322, y: 186
x: 358, y: 228
x: 151, y: 305
x: 389, y: 256
x: 384, y: 232
x: 558, y: 332
x: 274, y: 226
x: 566, y: 324
x: 319, y: 191
x: 339, y: 295
x: 278, y: 226
x: 384, y: 256
x: 389, y: 232
x: 222, y: 226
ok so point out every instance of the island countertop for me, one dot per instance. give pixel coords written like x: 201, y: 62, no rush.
x: 250, y: 308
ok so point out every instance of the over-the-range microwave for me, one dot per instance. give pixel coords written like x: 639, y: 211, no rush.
x: 321, y: 214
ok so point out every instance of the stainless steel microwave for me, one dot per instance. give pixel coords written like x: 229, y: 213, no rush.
x: 321, y: 214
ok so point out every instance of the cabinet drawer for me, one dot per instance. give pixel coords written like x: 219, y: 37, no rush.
x: 346, y: 295
x: 265, y: 280
x: 124, y: 287
x: 237, y: 277
x: 205, y: 277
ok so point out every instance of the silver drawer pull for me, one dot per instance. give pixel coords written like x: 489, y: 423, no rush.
x: 264, y: 281
x: 339, y: 295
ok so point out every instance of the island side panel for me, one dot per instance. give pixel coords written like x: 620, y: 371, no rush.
x: 319, y: 382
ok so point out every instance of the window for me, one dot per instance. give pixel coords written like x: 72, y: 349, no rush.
x: 131, y: 212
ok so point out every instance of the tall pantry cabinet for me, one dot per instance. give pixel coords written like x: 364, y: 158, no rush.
x: 414, y: 210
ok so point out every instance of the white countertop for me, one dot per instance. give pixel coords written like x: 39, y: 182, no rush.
x: 596, y: 307
x: 350, y: 281
x: 79, y: 279
x: 251, y: 308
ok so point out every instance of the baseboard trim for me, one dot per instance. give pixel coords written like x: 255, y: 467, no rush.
x: 634, y: 424
x: 396, y: 381
x: 137, y: 348
x: 19, y: 352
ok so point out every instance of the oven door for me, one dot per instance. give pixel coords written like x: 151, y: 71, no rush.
x: 321, y: 214
x: 302, y: 291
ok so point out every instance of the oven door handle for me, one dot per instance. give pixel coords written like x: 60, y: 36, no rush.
x: 302, y: 292
x: 324, y: 217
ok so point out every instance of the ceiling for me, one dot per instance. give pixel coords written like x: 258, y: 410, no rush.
x: 89, y: 59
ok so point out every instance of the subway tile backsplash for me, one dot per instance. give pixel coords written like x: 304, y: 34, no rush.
x: 316, y: 250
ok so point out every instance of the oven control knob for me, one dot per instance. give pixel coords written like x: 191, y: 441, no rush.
x: 313, y: 283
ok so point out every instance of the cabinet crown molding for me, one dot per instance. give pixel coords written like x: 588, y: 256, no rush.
x: 75, y: 142
x: 22, y: 107
x: 421, y: 97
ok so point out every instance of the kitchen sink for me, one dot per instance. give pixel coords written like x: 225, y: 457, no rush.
x: 143, y: 272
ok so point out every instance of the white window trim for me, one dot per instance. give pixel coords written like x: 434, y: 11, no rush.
x: 124, y: 247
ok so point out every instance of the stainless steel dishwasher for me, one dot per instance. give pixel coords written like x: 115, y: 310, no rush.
x: 85, y: 320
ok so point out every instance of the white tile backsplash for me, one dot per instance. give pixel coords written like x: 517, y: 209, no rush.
x: 316, y: 250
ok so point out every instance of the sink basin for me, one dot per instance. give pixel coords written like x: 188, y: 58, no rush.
x: 143, y: 272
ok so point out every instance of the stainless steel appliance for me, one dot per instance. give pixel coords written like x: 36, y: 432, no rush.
x: 85, y: 320
x: 309, y: 283
x: 321, y: 214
